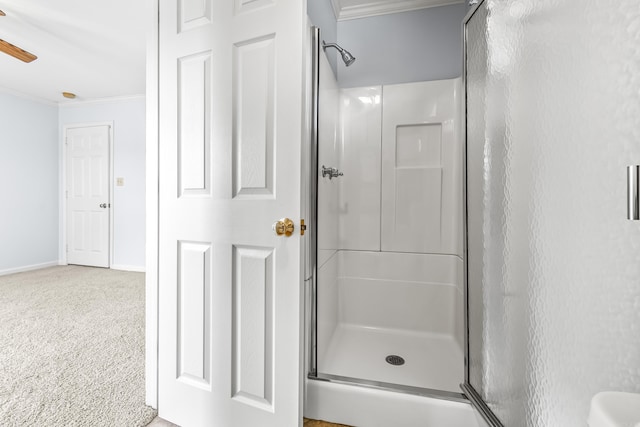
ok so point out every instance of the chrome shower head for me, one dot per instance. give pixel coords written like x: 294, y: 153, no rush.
x: 346, y: 55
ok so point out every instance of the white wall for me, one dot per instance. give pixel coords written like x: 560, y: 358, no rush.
x: 128, y: 204
x: 29, y: 182
x: 403, y: 47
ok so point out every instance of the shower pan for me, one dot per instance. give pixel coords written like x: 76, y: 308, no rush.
x: 386, y: 267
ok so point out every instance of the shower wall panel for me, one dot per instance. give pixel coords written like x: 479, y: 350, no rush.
x: 409, y: 292
x: 401, y: 156
x: 328, y: 304
x: 361, y: 121
x: 421, y: 168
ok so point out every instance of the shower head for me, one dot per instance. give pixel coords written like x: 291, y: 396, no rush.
x: 346, y: 55
x: 347, y: 58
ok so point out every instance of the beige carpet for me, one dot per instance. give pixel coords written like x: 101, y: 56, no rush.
x: 72, y: 348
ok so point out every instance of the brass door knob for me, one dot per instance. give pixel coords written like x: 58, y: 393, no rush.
x: 284, y: 227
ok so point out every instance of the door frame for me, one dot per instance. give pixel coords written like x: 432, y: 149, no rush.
x: 152, y: 203
x: 63, y: 187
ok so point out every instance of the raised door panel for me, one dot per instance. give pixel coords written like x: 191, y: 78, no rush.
x: 253, y: 314
x: 193, y: 14
x: 194, y: 314
x: 194, y: 124
x: 247, y: 6
x: 254, y: 114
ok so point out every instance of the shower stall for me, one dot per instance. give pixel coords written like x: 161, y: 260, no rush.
x: 387, y: 322
x: 537, y: 312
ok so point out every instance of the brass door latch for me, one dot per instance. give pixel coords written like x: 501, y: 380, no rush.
x: 285, y: 227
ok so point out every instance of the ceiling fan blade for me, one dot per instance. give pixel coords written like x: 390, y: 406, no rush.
x: 2, y: 13
x: 16, y: 52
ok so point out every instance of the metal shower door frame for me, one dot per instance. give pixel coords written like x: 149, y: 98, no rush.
x: 470, y: 392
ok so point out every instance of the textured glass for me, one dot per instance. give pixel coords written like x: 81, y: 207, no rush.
x: 476, y: 74
x: 553, y: 91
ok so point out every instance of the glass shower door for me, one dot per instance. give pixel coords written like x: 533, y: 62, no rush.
x: 553, y: 273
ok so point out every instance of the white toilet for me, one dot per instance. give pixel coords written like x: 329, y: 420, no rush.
x: 614, y: 409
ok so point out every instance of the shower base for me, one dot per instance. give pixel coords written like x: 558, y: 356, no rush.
x: 360, y: 406
x: 433, y: 361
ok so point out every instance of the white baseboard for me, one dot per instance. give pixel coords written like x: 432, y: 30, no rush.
x: 136, y: 268
x: 28, y: 268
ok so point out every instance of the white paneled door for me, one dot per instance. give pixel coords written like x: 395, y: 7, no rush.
x: 230, y: 98
x: 87, y: 194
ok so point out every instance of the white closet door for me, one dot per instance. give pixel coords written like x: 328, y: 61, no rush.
x: 88, y: 204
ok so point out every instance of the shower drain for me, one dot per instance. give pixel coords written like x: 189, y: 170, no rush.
x: 395, y: 360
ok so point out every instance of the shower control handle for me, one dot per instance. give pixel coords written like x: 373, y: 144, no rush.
x: 331, y: 172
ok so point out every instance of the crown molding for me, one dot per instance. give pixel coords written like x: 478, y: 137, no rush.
x: 69, y: 103
x: 375, y: 8
x: 107, y: 100
x: 335, y: 4
x: 27, y: 97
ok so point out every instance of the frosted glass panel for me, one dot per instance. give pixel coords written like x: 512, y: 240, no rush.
x: 476, y: 75
x: 328, y: 155
x: 554, y: 265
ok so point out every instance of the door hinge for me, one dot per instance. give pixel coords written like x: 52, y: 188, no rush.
x: 303, y: 227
